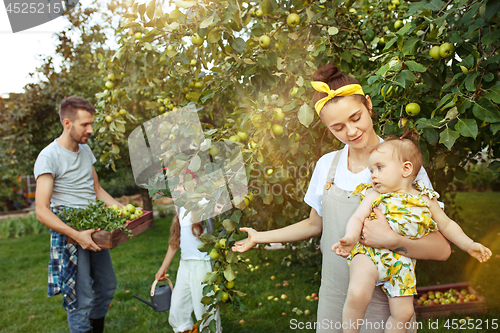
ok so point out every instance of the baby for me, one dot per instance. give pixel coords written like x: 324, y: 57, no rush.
x: 412, y: 211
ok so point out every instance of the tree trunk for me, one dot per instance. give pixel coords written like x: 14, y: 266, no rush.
x: 147, y: 204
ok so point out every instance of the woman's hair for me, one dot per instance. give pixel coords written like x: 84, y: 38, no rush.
x: 175, y: 231
x: 405, y: 150
x: 335, y: 79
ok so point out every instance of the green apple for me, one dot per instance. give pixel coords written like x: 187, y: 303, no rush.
x: 214, y: 150
x: 434, y: 53
x: 108, y: 119
x: 222, y: 243
x: 382, y: 40
x: 270, y: 172
x: 116, y: 114
x: 196, y: 39
x: 264, y: 41
x: 259, y: 12
x: 250, y: 196
x: 122, y: 112
x: 398, y: 24
x: 114, y: 207
x: 138, y: 212
x: 278, y: 114
x: 446, y: 50
x: 111, y: 77
x: 369, y: 35
x: 402, y: 122
x: 293, y: 19
x: 193, y: 62
x: 133, y: 216
x: 294, y: 91
x: 198, y: 85
x: 123, y: 74
x: 412, y: 109
x: 296, y: 136
x: 170, y: 48
x: 162, y: 108
x: 284, y: 296
x: 230, y: 285
x: 138, y: 35
x: 235, y: 138
x: 252, y: 145
x: 242, y: 135
x: 109, y: 84
x: 126, y: 213
x: 257, y: 120
x: 130, y: 208
x: 277, y: 129
x: 224, y: 297
x: 214, y: 254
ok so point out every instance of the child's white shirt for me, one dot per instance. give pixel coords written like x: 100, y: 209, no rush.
x: 189, y: 242
x: 344, y: 178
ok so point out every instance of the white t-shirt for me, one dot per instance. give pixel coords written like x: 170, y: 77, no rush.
x: 344, y: 179
x: 189, y: 242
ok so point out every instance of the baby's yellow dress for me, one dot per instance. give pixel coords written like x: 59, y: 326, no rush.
x: 408, y: 215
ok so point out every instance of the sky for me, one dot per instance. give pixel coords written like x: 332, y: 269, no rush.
x: 21, y: 53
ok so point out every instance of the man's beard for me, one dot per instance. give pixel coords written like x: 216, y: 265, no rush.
x: 78, y: 139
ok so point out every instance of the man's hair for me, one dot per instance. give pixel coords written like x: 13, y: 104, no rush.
x: 405, y: 150
x: 70, y: 106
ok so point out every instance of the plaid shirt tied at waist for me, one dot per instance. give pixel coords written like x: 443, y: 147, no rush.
x: 62, y: 268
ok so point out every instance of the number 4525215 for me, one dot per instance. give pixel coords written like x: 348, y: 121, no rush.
x: 476, y: 324
x: 35, y: 8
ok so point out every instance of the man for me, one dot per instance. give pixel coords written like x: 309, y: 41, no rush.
x: 65, y: 176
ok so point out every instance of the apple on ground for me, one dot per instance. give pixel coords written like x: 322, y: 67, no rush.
x: 308, y: 297
x: 283, y: 296
x: 273, y: 277
x: 307, y: 312
x: 276, y: 299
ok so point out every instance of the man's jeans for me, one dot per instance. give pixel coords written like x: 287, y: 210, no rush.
x: 95, y: 287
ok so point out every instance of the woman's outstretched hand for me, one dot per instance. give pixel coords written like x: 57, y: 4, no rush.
x: 247, y: 243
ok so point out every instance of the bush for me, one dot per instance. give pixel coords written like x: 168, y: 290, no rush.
x: 479, y: 178
x: 18, y: 227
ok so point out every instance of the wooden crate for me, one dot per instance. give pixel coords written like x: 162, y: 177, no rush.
x: 443, y: 310
x: 109, y: 240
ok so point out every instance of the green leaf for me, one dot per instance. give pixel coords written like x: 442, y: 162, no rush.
x: 415, y: 66
x: 346, y: 55
x: 132, y: 24
x: 469, y: 81
x: 150, y: 10
x: 142, y: 9
x: 410, y: 46
x: 495, y: 128
x: 206, y: 22
x: 491, y: 37
x: 228, y: 225
x: 383, y: 70
x: 467, y: 127
x: 239, y: 44
x: 495, y: 165
x: 231, y: 257
x: 405, y: 77
x: 306, y: 115
x: 212, y: 326
x: 229, y: 273
x: 195, y: 163
x: 431, y: 136
x: 494, y: 94
x: 193, y: 96
x: 214, y: 35
x: 207, y: 238
x: 448, y: 137
x: 492, y: 8
x: 486, y: 111
x: 208, y: 276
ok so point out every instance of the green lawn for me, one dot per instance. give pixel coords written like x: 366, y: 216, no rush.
x: 25, y: 307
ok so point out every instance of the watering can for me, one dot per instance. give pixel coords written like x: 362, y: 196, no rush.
x: 160, y: 296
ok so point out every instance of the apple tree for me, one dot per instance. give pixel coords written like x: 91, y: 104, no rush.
x: 246, y: 66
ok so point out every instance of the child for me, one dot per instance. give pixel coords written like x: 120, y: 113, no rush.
x: 394, y: 165
x: 188, y: 290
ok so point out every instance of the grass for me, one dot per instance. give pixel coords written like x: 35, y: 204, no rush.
x: 25, y: 307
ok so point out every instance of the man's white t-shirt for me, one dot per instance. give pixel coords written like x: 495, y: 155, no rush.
x: 344, y: 179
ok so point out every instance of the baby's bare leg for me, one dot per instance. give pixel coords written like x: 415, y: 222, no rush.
x: 363, y: 276
x: 401, y: 313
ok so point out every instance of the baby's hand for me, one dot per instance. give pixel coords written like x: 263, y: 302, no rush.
x: 344, y: 246
x: 479, y: 251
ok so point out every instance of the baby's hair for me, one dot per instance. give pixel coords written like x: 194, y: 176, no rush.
x: 405, y: 150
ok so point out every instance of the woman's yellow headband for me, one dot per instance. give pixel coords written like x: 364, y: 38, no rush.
x: 348, y: 90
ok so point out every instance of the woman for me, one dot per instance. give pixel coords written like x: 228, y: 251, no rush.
x: 346, y: 112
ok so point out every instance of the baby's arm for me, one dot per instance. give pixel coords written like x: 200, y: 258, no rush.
x: 354, y: 226
x: 451, y: 230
